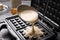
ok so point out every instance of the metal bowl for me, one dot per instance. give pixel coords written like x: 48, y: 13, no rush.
x: 21, y: 8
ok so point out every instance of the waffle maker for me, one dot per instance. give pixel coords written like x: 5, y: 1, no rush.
x: 18, y: 25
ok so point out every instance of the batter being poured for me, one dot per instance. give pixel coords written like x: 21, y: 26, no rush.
x: 31, y: 16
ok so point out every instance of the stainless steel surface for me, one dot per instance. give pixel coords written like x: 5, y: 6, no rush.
x: 26, y: 2
x: 8, y: 3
